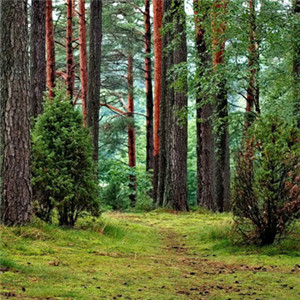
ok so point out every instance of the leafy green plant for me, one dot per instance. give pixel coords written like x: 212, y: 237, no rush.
x: 115, y: 186
x: 114, y: 192
x: 63, y: 176
x: 266, y: 185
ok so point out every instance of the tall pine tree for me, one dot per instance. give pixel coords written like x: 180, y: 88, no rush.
x: 15, y: 114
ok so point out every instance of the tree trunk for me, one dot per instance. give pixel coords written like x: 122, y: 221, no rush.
x: 178, y: 151
x: 131, y: 131
x: 74, y: 8
x: 204, y: 113
x: 69, y: 47
x: 296, y: 62
x: 94, y: 70
x: 157, y: 25
x: 50, y: 49
x: 253, y: 67
x: 222, y: 167
x: 173, y: 126
x: 37, y: 56
x: 148, y: 84
x: 83, y: 58
x: 166, y: 94
x: 15, y: 114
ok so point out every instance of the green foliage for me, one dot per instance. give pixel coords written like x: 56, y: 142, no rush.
x: 266, y: 195
x: 192, y: 164
x: 115, y: 185
x: 62, y: 167
x: 114, y: 191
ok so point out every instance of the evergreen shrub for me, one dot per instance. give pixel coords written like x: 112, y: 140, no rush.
x: 63, y: 172
x: 267, y: 177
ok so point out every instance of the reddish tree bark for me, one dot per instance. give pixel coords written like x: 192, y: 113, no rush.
x: 69, y: 47
x: 114, y: 109
x: 83, y: 58
x: 148, y: 85
x: 131, y: 130
x: 219, y: 29
x: 74, y: 8
x: 222, y: 167
x: 157, y: 25
x: 166, y: 97
x: 50, y: 49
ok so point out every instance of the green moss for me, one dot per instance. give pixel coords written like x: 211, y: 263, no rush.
x: 156, y: 255
x: 6, y: 263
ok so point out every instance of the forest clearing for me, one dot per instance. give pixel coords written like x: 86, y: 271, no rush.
x: 156, y: 255
x: 150, y: 149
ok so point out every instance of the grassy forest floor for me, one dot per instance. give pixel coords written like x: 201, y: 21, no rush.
x: 156, y: 255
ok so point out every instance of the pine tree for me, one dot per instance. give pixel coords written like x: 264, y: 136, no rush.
x: 70, y: 74
x: 148, y: 85
x: 222, y: 167
x: 37, y: 55
x: 131, y: 131
x: 173, y: 140
x: 253, y: 67
x: 50, y: 48
x: 94, y: 70
x: 204, y: 113
x: 166, y: 94
x: 83, y: 58
x: 15, y: 114
x: 157, y: 26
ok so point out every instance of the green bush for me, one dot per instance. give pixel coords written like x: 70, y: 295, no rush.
x: 63, y: 173
x: 267, y: 177
x: 115, y: 188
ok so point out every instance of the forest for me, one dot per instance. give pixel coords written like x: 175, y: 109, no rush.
x: 150, y: 149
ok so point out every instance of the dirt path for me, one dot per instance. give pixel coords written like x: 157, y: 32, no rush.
x: 212, y: 272
x: 194, y: 266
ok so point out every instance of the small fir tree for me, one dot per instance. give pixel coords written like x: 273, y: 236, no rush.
x: 63, y: 171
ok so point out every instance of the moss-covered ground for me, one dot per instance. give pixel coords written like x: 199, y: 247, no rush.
x: 156, y: 255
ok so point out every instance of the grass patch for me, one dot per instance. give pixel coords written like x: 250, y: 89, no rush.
x: 155, y: 255
x: 7, y: 264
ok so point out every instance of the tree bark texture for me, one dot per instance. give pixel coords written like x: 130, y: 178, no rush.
x: 157, y: 25
x: 94, y: 71
x: 166, y: 94
x: 131, y: 131
x: 222, y: 167
x: 148, y: 85
x: 178, y: 152
x: 83, y: 58
x: 204, y: 114
x: 15, y: 114
x: 69, y: 47
x: 173, y: 126
x: 50, y: 49
x: 37, y: 56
